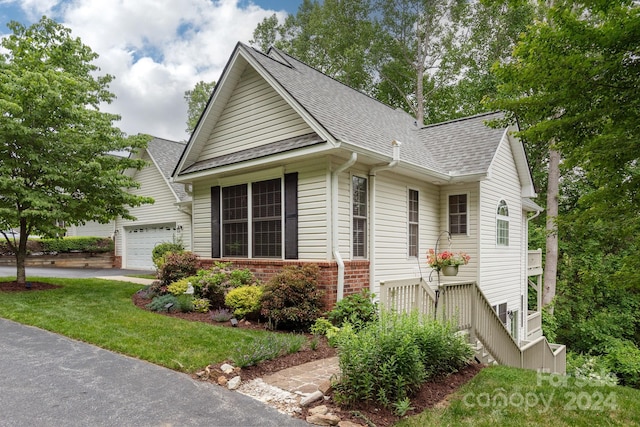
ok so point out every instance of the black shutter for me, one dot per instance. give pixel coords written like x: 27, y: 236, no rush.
x: 215, y: 222
x: 291, y: 216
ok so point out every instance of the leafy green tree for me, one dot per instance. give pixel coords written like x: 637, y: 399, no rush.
x: 573, y: 87
x: 333, y: 36
x: 197, y: 99
x: 55, y: 143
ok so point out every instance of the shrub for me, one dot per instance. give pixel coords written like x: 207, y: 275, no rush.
x: 221, y: 315
x: 624, y: 360
x: 64, y: 245
x: 244, y: 300
x: 160, y: 303
x: 201, y: 305
x: 593, y: 369
x: 291, y: 298
x: 322, y: 326
x: 184, y: 303
x: 163, y: 248
x: 179, y: 287
x: 215, y: 282
x: 177, y: 266
x: 357, y: 309
x: 386, y: 361
x: 266, y: 348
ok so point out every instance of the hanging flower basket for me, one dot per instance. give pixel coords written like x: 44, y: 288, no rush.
x: 450, y: 270
x: 446, y: 261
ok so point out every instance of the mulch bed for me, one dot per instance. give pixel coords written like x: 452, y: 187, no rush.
x: 432, y: 394
x: 35, y: 286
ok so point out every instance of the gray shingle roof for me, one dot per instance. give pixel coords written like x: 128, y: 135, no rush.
x: 459, y: 147
x: 166, y: 154
x: 257, y: 152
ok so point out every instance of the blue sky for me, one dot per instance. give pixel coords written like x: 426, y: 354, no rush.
x: 156, y: 49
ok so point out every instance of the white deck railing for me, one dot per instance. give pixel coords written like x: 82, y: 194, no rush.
x: 534, y: 262
x: 466, y: 305
x: 534, y: 325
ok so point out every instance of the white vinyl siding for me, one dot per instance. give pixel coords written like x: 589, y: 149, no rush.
x: 502, y: 267
x: 202, y: 219
x: 92, y: 229
x: 254, y: 115
x: 391, y: 223
x: 468, y: 242
x: 162, y: 211
x: 313, y: 211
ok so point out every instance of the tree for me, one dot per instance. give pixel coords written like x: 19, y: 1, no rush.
x: 333, y: 36
x: 55, y: 143
x: 573, y: 87
x: 197, y: 99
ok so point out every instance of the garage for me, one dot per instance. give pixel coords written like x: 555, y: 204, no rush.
x: 140, y: 241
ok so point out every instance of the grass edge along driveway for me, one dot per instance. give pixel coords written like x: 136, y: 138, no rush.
x: 101, y: 312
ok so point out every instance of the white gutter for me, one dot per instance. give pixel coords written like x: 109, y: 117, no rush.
x: 372, y: 224
x: 335, y: 245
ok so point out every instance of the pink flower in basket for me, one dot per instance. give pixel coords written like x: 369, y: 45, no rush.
x: 444, y: 258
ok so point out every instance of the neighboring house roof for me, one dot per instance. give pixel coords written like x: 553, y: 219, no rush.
x: 347, y: 118
x: 165, y: 154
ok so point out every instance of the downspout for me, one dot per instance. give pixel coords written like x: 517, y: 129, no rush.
x: 335, y: 245
x: 372, y: 197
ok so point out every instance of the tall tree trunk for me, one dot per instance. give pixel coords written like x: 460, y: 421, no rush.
x: 551, y: 253
x: 21, y: 253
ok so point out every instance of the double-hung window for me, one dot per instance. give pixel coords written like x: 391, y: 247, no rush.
x: 458, y: 214
x: 359, y: 214
x: 247, y: 219
x: 413, y: 223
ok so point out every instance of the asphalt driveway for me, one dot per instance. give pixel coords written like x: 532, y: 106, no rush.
x: 70, y: 273
x: 49, y: 380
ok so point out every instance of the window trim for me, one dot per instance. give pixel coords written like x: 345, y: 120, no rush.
x: 449, y: 195
x: 503, y: 219
x: 365, y: 218
x: 413, y: 223
x: 217, y: 231
x: 506, y: 311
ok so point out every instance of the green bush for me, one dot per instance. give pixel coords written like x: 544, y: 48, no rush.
x: 244, y: 300
x: 357, y: 309
x: 215, y: 282
x: 177, y: 266
x: 322, y: 326
x: 593, y: 369
x: 161, y: 249
x: 291, y: 299
x: 179, y: 287
x: 388, y: 360
x: 184, y: 303
x: 201, y: 305
x: 160, y: 303
x: 266, y: 348
x: 65, y: 245
x: 623, y: 358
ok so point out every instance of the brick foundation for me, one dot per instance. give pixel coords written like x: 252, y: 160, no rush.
x: 356, y: 273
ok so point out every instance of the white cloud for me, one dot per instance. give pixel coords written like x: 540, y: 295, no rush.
x: 156, y: 49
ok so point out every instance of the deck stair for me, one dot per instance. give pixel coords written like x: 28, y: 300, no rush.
x: 469, y: 309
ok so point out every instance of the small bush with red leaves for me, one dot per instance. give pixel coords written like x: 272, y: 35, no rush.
x: 291, y: 299
x: 177, y: 266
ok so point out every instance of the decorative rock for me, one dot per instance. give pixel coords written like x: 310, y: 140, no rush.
x: 222, y: 380
x: 348, y: 424
x: 200, y: 374
x: 305, y: 401
x: 226, y: 368
x: 234, y: 383
x: 325, y: 387
x: 322, y: 409
x: 323, y: 420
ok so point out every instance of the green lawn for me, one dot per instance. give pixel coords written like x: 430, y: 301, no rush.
x: 503, y: 396
x: 101, y: 312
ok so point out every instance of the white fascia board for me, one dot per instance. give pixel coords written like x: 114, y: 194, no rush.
x: 234, y: 167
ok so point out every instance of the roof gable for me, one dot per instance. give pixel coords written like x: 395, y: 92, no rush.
x: 164, y: 155
x: 343, y: 117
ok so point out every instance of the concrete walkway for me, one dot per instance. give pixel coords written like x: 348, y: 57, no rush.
x: 49, y: 380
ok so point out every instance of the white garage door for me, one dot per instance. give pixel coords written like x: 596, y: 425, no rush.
x: 140, y: 241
